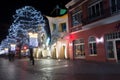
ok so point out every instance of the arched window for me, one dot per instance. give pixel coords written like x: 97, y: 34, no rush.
x: 92, y: 45
x: 79, y: 49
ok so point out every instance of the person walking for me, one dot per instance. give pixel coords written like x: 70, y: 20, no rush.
x: 31, y: 56
x: 9, y: 55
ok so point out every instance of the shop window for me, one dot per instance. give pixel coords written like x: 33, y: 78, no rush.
x: 79, y: 49
x: 92, y: 46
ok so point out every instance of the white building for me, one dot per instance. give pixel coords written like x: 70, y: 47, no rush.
x: 59, y: 31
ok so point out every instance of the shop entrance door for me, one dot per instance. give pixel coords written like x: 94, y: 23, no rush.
x: 118, y: 49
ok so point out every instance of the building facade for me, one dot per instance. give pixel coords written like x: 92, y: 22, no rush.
x: 59, y: 30
x: 94, y: 30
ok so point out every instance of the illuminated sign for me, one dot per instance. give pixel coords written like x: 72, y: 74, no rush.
x: 33, y: 42
x: 12, y: 47
x: 33, y: 39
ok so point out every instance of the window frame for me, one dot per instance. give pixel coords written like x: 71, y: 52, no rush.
x: 115, y: 6
x: 92, y: 49
x: 97, y: 12
x: 54, y: 27
x: 61, y: 27
x: 76, y: 16
x: 79, y: 43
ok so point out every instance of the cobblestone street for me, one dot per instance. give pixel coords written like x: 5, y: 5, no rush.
x: 50, y: 69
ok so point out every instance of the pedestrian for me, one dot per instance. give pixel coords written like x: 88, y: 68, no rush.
x: 12, y: 55
x: 31, y: 56
x: 9, y: 55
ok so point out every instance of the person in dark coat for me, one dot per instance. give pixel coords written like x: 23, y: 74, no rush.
x: 9, y: 55
x: 31, y: 56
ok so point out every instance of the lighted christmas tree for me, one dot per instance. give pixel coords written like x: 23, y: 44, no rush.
x: 26, y: 19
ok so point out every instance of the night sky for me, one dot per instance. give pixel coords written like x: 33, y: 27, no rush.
x: 8, y: 8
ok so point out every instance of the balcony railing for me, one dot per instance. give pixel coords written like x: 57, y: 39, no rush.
x: 98, y: 16
x: 103, y: 14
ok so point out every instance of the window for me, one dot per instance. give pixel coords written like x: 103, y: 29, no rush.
x: 115, y: 35
x: 92, y: 45
x: 76, y: 18
x: 54, y: 27
x: 95, y: 9
x: 79, y: 48
x: 110, y: 49
x: 62, y: 27
x: 115, y: 6
x: 110, y: 40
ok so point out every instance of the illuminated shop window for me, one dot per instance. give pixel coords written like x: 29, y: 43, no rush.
x: 92, y: 46
x: 79, y: 49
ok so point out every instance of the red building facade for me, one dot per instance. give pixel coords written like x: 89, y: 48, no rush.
x: 94, y: 27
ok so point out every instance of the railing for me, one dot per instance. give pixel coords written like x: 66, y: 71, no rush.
x: 98, y: 16
x: 103, y: 14
x: 75, y: 28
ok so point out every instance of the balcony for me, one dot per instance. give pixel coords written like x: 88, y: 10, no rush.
x: 73, y: 29
x: 101, y: 15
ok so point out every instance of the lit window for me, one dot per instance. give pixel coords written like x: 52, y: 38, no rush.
x: 79, y: 49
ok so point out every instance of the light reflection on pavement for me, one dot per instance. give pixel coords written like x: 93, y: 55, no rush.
x: 49, y: 69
